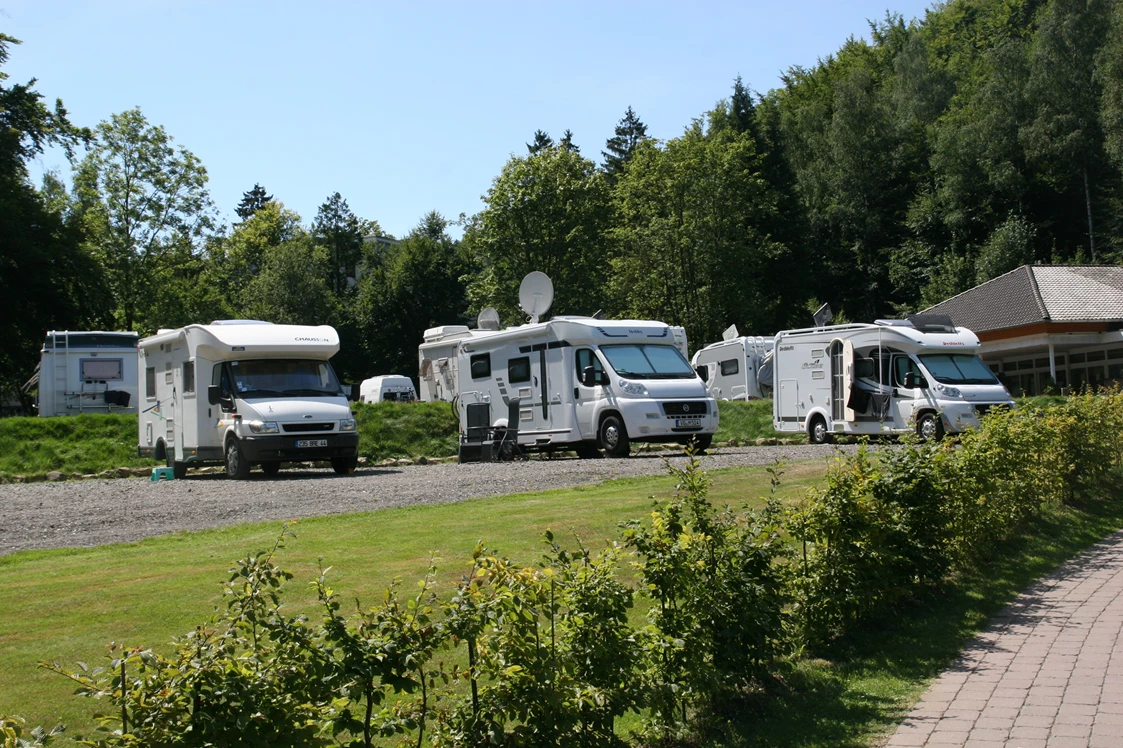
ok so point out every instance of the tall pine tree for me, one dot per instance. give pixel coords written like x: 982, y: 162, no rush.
x: 252, y: 202
x: 629, y: 132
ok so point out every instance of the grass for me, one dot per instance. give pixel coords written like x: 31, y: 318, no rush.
x: 66, y: 605
x: 89, y: 443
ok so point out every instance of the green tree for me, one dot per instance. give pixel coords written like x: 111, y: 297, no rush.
x: 690, y: 249
x: 139, y: 198
x: 629, y: 133
x: 45, y: 272
x: 1065, y: 135
x: 252, y: 201
x: 290, y: 288
x: 542, y: 140
x: 338, y: 230
x: 548, y: 211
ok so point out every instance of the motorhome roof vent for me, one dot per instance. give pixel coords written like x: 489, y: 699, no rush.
x: 489, y: 319
x: 893, y: 322
x: 932, y: 322
x: 240, y: 322
x: 730, y: 333
x: 536, y: 294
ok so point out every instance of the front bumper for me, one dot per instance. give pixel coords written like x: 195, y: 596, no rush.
x: 646, y: 420
x: 283, y: 447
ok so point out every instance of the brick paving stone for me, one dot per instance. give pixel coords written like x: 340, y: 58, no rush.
x: 1044, y: 674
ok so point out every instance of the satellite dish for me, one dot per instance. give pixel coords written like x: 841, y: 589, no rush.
x: 488, y: 319
x: 730, y: 333
x: 536, y: 293
x: 823, y: 316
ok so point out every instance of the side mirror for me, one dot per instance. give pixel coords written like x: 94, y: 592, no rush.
x: 912, y: 381
x: 214, y: 393
x: 701, y: 372
x: 588, y: 376
x: 351, y: 391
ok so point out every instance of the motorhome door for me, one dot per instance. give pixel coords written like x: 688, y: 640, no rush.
x: 584, y: 397
x: 906, y: 400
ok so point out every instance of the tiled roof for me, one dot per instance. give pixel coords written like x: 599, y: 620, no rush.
x: 1038, y: 293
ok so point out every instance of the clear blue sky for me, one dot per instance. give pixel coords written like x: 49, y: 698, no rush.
x: 406, y: 107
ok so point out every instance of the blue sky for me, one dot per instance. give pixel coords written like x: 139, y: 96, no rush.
x: 406, y: 107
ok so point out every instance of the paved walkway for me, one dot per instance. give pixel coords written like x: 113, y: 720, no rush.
x: 1047, y: 673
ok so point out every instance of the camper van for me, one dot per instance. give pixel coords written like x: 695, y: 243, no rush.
x: 390, y: 387
x: 87, y: 372
x: 573, y: 382
x: 890, y: 377
x: 241, y: 392
x: 737, y: 367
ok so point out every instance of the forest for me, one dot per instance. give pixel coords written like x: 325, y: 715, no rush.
x: 896, y: 172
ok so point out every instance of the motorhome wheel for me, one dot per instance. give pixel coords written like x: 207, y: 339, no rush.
x: 817, y: 431
x: 614, y: 437
x: 344, y: 465
x: 929, y: 427
x: 271, y: 468
x: 236, y: 465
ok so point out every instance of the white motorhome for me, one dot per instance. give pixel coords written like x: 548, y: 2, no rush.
x: 890, y: 377
x: 389, y: 387
x: 87, y: 372
x: 585, y: 384
x: 737, y: 367
x: 243, y: 392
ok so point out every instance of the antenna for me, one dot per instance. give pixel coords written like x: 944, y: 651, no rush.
x: 536, y: 293
x: 730, y: 333
x: 488, y: 319
x: 823, y: 315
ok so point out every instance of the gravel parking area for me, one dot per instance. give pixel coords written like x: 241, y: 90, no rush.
x: 95, y: 512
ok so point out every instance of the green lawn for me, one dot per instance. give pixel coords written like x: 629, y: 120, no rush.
x: 66, y: 605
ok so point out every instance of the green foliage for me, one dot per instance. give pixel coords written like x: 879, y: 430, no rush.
x: 88, y: 443
x: 139, y: 198
x: 14, y: 734
x: 714, y: 579
x: 406, y: 429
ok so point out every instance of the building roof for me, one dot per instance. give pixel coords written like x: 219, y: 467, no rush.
x: 1039, y: 293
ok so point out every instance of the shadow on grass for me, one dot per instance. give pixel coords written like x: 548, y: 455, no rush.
x: 856, y: 690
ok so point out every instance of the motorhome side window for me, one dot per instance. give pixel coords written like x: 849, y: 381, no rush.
x: 729, y: 367
x: 188, y: 376
x: 481, y: 366
x: 150, y: 382
x: 586, y: 357
x: 518, y: 370
x: 903, y: 365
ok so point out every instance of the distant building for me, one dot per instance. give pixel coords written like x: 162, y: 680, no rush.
x: 1047, y: 324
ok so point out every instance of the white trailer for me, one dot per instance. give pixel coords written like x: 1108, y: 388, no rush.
x: 737, y: 367
x: 242, y: 392
x: 436, y: 362
x: 890, y: 377
x: 585, y: 384
x: 87, y: 372
x: 389, y: 387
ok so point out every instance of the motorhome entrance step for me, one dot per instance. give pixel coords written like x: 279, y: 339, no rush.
x: 162, y: 473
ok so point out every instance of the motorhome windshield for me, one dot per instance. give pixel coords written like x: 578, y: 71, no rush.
x: 284, y: 377
x: 957, y: 368
x: 648, y: 361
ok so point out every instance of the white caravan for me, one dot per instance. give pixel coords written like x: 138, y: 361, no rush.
x: 242, y: 392
x: 87, y: 372
x: 391, y: 387
x: 737, y: 367
x: 891, y: 377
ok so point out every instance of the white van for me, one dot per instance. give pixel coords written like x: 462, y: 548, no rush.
x: 243, y: 392
x: 586, y: 384
x: 87, y: 372
x: 890, y: 377
x: 389, y: 387
x: 737, y: 367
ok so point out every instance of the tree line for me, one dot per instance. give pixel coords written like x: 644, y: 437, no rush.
x: 893, y: 174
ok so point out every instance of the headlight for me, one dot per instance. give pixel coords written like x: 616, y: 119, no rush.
x: 943, y: 389
x: 632, y: 388
x: 347, y: 424
x: 264, y: 427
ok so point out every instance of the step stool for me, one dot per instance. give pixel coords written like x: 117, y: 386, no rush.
x: 162, y: 473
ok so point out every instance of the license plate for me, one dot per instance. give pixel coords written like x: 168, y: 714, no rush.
x: 304, y: 443
x: 688, y: 423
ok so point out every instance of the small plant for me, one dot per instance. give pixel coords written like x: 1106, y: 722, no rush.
x: 13, y: 733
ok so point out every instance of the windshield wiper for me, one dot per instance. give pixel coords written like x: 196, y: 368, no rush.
x: 307, y: 391
x: 259, y: 393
